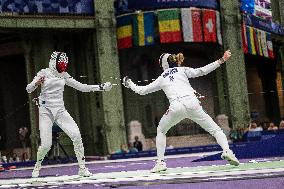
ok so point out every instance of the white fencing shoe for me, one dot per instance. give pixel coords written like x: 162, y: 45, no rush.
x: 160, y: 166
x: 230, y: 157
x: 84, y: 172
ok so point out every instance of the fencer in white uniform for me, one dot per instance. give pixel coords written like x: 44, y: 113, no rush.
x: 183, y: 103
x: 51, y: 108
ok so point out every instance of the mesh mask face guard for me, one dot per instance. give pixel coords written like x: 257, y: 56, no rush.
x: 61, y: 62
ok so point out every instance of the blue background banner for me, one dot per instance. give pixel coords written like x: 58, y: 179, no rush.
x: 262, y: 24
x: 247, y: 6
x: 47, y: 6
x: 124, y: 6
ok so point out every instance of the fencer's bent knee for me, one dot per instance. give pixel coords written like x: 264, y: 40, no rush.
x: 76, y: 138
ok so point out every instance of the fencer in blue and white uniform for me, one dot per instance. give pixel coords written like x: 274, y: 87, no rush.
x: 52, y: 110
x: 183, y: 102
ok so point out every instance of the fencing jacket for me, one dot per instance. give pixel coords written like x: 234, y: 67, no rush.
x: 174, y: 81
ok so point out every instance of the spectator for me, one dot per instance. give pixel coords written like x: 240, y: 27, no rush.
x: 4, y: 159
x: 236, y: 135
x: 281, y: 124
x: 254, y: 127
x: 131, y: 148
x: 15, y: 158
x: 123, y: 149
x: 23, y: 136
x: 25, y: 157
x: 272, y: 127
x: 265, y: 125
x: 138, y: 144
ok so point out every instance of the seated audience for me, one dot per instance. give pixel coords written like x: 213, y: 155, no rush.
x: 138, y: 144
x: 254, y: 127
x: 281, y: 124
x: 131, y: 148
x: 272, y: 127
x: 123, y: 149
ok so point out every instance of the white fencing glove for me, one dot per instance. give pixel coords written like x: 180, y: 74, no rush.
x: 126, y: 81
x: 106, y: 86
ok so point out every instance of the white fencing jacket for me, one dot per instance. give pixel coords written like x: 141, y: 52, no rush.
x: 174, y: 81
x: 52, y: 88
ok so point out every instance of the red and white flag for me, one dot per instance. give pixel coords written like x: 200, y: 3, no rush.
x: 191, y: 24
x: 209, y: 25
x: 269, y: 45
x: 244, y: 38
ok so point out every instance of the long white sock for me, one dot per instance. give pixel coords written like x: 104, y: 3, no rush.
x: 161, y: 145
x: 222, y: 140
x: 79, y: 151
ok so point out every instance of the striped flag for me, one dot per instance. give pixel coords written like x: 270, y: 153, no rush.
x: 169, y: 26
x: 244, y: 38
x: 191, y: 25
x: 269, y: 45
x: 218, y: 26
x: 250, y: 39
x: 264, y: 44
x: 256, y: 44
x: 259, y: 42
x: 143, y: 29
x: 124, y: 31
x: 209, y: 25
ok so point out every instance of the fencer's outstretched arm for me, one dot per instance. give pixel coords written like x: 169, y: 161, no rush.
x: 39, y: 78
x: 142, y: 90
x: 190, y: 72
x: 87, y: 88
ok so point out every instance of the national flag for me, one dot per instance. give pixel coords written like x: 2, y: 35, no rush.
x: 250, y: 39
x: 264, y: 44
x: 260, y: 51
x: 269, y: 45
x: 209, y: 25
x: 255, y: 41
x: 143, y: 28
x: 169, y: 25
x: 219, y: 30
x: 124, y: 31
x: 244, y: 38
x: 191, y: 25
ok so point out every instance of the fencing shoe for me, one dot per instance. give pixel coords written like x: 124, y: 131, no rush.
x: 230, y: 157
x: 35, y: 172
x: 84, y: 172
x: 160, y: 166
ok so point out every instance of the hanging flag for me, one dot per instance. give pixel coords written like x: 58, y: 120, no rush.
x: 244, y: 38
x: 250, y: 39
x: 169, y: 26
x: 143, y: 28
x: 258, y: 35
x: 255, y: 41
x: 269, y: 45
x: 219, y: 30
x: 209, y: 25
x: 191, y: 25
x: 124, y: 31
x: 264, y: 44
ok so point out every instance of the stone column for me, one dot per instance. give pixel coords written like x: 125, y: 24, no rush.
x: 114, y: 128
x: 277, y: 7
x: 234, y: 69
